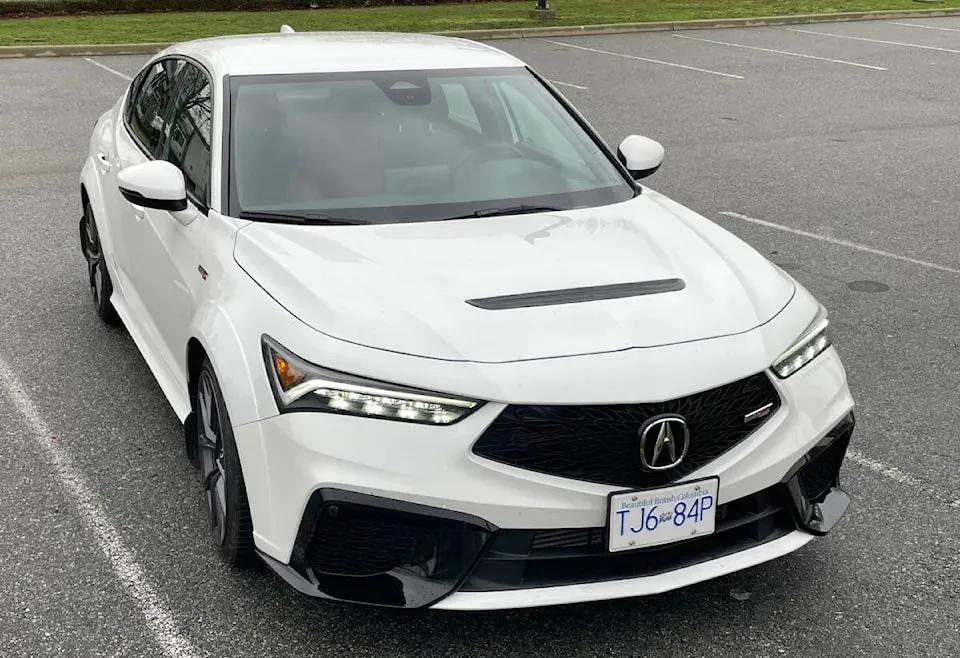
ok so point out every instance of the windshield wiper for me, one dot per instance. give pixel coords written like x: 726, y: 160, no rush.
x: 509, y: 210
x: 299, y: 218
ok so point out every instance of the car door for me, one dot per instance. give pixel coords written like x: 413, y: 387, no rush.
x: 161, y: 255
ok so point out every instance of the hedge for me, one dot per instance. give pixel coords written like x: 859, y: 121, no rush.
x: 10, y: 8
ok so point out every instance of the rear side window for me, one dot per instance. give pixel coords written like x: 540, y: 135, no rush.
x: 188, y: 141
x: 147, y: 113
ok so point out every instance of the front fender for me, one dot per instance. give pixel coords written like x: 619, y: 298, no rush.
x: 218, y: 336
x: 242, y: 376
x: 91, y: 183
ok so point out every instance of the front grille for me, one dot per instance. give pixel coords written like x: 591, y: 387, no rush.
x: 601, y: 443
x: 547, y: 539
x: 544, y: 558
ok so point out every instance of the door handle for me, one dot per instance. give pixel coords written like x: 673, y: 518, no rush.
x: 103, y: 160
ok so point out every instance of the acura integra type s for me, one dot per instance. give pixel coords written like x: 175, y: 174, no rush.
x: 431, y: 342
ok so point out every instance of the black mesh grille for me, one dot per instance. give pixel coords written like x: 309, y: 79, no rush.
x: 361, y: 547
x: 600, y: 443
x: 575, y: 537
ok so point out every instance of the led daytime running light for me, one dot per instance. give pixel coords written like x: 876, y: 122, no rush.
x: 805, y: 350
x: 301, y: 386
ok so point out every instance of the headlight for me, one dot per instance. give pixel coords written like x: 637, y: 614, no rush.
x: 301, y: 386
x: 814, y: 340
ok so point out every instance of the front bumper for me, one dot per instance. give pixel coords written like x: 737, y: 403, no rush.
x: 367, y: 549
x: 397, y: 514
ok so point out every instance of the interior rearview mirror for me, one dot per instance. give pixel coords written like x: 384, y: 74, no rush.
x: 641, y: 156
x: 157, y: 184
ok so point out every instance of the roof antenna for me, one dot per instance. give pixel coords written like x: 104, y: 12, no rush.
x: 286, y: 29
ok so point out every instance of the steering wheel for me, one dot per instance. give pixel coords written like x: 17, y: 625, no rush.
x: 488, y: 152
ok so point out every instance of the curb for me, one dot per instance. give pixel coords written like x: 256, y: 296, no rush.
x: 9, y: 52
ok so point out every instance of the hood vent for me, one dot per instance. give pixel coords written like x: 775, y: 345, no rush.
x: 578, y: 295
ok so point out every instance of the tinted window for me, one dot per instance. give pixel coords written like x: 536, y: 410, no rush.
x: 188, y: 142
x: 399, y: 146
x: 147, y: 114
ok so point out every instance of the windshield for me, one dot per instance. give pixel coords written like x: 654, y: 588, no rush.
x: 386, y: 147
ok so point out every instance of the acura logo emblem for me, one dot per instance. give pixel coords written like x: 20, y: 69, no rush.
x: 663, y: 442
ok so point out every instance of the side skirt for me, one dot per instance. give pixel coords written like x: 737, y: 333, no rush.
x: 175, y: 393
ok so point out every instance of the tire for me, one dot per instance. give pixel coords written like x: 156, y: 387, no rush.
x: 101, y: 286
x: 225, y: 496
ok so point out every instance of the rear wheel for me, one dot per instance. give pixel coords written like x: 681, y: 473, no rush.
x: 228, y: 511
x: 101, y: 287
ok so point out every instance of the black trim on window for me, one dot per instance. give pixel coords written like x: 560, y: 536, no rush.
x: 139, y: 81
x: 132, y: 91
x: 202, y: 206
x: 226, y: 147
x: 165, y: 145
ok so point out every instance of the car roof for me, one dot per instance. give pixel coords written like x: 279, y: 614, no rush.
x: 340, y: 52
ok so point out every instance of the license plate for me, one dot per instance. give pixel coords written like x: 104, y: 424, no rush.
x: 653, y: 517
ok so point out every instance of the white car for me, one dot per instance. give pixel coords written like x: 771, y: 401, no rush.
x: 434, y: 346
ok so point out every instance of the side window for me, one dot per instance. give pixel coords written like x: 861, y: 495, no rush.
x: 534, y: 128
x: 459, y: 106
x: 188, y: 141
x: 147, y: 112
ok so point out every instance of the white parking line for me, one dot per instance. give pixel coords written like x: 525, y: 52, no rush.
x: 891, y: 43
x: 780, y: 52
x: 886, y: 470
x: 891, y: 473
x: 645, y: 59
x: 569, y: 84
x: 925, y: 27
x: 159, y: 620
x: 107, y: 68
x: 840, y: 242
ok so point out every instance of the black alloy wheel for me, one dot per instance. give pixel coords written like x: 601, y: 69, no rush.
x: 101, y: 286
x: 228, y: 511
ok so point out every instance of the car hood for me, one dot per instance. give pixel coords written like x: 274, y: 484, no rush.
x: 407, y: 287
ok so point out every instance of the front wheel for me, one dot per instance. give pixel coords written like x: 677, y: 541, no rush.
x: 101, y: 287
x: 228, y: 511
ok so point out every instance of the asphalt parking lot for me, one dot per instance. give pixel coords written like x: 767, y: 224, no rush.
x: 832, y: 148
